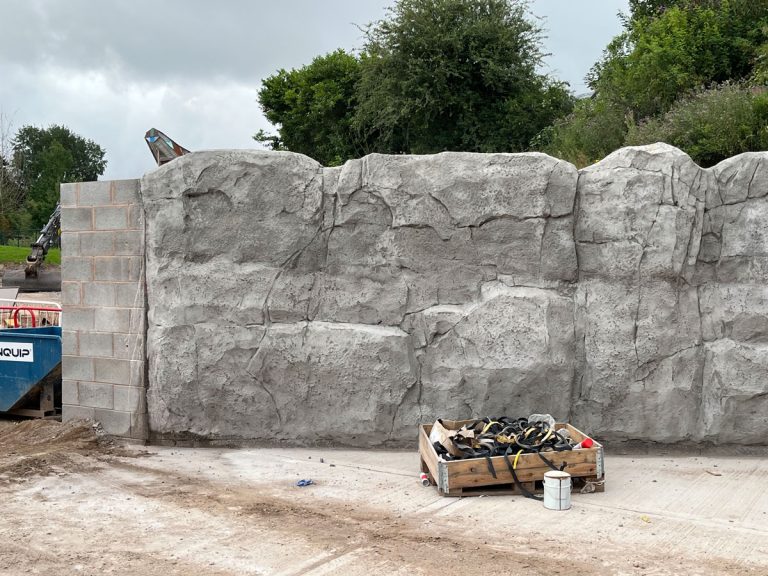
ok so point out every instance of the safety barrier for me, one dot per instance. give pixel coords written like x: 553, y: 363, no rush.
x: 29, y: 314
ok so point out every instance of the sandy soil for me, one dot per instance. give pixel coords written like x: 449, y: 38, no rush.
x: 74, y: 503
x: 30, y: 448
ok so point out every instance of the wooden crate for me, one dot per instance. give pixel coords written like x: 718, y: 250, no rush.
x: 472, y: 477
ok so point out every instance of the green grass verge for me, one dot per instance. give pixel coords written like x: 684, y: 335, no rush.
x: 18, y: 255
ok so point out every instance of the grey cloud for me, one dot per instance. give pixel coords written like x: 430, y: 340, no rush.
x: 111, y: 69
x: 236, y: 39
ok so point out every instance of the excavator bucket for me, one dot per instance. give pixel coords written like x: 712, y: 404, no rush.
x: 162, y: 147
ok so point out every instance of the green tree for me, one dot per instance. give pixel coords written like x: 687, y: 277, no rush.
x: 642, y: 9
x: 43, y: 158
x: 455, y: 75
x: 435, y: 75
x: 711, y: 125
x: 312, y: 108
x: 693, y: 44
x: 667, y: 51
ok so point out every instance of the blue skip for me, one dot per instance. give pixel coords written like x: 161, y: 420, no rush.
x: 30, y: 370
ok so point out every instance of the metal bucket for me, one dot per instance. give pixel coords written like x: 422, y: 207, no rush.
x: 557, y: 490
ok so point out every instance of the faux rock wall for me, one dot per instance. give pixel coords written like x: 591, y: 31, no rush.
x: 293, y: 302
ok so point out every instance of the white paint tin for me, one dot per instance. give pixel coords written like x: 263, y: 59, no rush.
x: 557, y: 490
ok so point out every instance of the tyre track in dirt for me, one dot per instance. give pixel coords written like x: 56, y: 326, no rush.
x: 75, y: 503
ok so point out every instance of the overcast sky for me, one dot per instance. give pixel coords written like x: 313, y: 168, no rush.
x: 110, y: 70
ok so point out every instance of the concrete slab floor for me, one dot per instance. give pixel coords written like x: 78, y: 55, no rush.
x: 220, y: 511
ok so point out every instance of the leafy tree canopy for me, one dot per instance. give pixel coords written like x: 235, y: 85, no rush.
x: 312, y: 107
x: 455, y: 75
x: 434, y: 75
x: 679, y: 49
x: 642, y: 9
x: 43, y: 158
x: 670, y: 51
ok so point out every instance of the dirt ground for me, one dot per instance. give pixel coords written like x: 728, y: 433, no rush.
x: 75, y: 503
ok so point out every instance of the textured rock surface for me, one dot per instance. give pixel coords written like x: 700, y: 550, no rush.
x: 293, y: 302
x: 638, y: 228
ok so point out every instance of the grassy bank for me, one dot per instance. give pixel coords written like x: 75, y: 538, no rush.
x: 18, y: 255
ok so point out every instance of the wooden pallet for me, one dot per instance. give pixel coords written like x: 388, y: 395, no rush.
x: 472, y: 477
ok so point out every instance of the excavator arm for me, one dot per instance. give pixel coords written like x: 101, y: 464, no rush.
x: 40, y: 247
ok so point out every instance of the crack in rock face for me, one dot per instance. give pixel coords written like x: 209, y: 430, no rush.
x: 291, y: 302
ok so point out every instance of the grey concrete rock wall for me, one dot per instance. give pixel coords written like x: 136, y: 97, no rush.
x: 293, y: 302
x: 638, y: 232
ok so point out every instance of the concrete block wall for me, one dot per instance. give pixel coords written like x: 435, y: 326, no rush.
x: 103, y: 296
